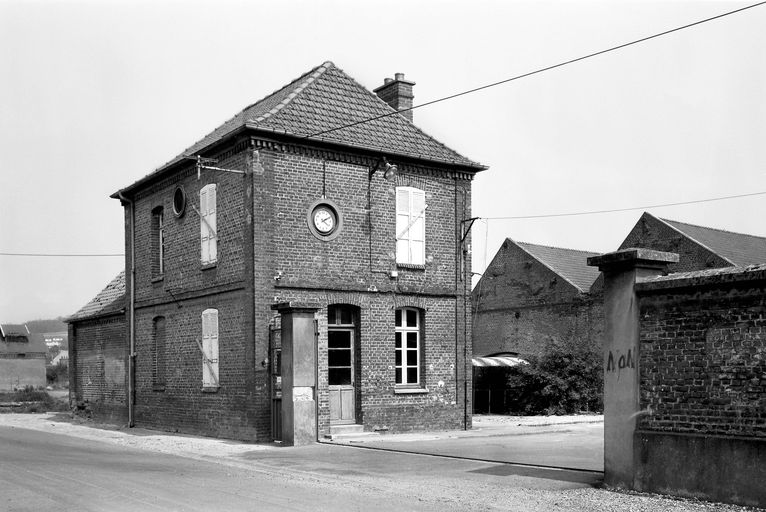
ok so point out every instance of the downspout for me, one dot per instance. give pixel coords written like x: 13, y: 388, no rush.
x: 132, y: 311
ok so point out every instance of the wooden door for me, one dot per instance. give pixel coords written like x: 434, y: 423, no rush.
x: 340, y: 370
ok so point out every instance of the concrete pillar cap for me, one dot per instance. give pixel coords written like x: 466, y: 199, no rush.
x: 633, y: 257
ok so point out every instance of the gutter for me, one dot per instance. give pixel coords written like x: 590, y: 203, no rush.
x: 132, y: 308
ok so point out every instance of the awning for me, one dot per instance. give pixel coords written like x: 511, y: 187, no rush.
x: 498, y: 361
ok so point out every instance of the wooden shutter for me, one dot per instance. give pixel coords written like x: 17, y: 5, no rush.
x: 210, y: 347
x: 410, y: 225
x: 208, y: 224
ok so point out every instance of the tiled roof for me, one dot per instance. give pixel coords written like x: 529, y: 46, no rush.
x: 110, y: 300
x: 326, y: 98
x: 738, y: 248
x: 14, y: 330
x: 571, y: 264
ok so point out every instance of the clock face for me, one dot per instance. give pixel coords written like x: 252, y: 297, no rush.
x: 324, y: 220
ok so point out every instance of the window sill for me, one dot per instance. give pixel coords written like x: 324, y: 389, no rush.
x: 210, y: 389
x: 411, y: 266
x: 159, y: 278
x: 410, y: 391
x: 208, y: 266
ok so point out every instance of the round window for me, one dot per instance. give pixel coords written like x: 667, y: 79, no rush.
x: 179, y: 201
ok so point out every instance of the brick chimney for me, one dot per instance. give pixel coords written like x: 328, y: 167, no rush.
x: 397, y: 92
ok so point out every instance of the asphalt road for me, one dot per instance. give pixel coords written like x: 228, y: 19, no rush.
x: 42, y: 471
x: 576, y: 446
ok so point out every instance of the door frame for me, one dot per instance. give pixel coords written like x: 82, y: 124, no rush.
x: 348, y: 387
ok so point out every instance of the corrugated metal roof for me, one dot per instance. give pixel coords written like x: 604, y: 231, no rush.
x: 738, y: 248
x: 110, y: 300
x: 571, y: 264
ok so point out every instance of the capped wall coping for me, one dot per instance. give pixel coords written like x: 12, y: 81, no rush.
x: 697, y: 278
x: 631, y: 258
x: 296, y: 307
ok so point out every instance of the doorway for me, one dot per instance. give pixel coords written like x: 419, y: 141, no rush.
x: 341, y: 363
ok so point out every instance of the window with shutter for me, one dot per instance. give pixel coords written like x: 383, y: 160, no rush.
x: 208, y: 224
x: 158, y: 242
x: 158, y: 366
x: 210, y: 348
x: 410, y: 226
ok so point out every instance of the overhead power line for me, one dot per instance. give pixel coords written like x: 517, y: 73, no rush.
x: 56, y: 255
x: 593, y: 212
x: 537, y: 71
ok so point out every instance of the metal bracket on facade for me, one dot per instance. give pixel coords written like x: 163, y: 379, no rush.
x: 201, y: 165
x: 470, y: 225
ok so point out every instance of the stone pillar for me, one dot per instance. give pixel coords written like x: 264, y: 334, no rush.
x: 299, y: 371
x: 621, y: 335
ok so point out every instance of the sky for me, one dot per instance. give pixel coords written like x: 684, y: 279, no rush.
x: 97, y: 94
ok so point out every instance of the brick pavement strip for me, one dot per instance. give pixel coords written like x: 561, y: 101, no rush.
x: 451, y: 484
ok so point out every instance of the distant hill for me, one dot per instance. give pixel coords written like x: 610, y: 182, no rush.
x: 42, y: 326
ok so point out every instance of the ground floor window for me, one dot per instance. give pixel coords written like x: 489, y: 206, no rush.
x: 408, y: 346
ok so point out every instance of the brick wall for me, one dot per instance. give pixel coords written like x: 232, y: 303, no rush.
x: 355, y: 268
x: 20, y: 372
x: 523, y: 306
x: 703, y: 356
x: 651, y: 233
x: 97, y: 364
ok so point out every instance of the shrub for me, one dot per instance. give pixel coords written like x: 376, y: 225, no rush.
x: 557, y: 383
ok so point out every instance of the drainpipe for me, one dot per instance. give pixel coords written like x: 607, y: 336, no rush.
x: 132, y: 309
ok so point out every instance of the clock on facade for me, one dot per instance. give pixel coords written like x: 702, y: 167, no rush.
x: 324, y: 219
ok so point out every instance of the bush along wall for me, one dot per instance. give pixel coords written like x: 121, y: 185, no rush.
x: 557, y: 382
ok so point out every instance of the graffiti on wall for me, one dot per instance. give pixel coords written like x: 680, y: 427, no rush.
x: 619, y: 362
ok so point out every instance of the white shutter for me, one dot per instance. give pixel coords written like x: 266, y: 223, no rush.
x: 210, y: 347
x: 212, y: 225
x: 208, y: 225
x: 410, y: 225
x: 203, y: 231
x: 402, y: 221
x: 418, y: 228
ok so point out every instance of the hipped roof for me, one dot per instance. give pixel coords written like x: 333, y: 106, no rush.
x: 323, y: 99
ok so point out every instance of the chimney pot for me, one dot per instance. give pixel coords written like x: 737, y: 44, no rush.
x: 399, y: 76
x: 388, y: 80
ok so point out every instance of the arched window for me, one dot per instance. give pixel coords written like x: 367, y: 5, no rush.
x: 210, y: 348
x: 409, y: 346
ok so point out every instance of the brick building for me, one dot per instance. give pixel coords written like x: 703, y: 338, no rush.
x: 98, y: 353
x: 533, y: 297
x: 286, y: 276
x: 22, y: 358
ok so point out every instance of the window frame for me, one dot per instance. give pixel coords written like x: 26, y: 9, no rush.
x: 402, y: 332
x: 210, y: 350
x: 407, y: 219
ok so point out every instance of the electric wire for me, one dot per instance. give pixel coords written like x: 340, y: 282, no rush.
x: 57, y: 255
x: 537, y: 71
x: 632, y: 208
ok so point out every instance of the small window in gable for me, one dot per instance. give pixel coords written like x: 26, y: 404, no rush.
x: 410, y: 226
x: 158, y: 242
x: 210, y: 348
x: 208, y: 224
